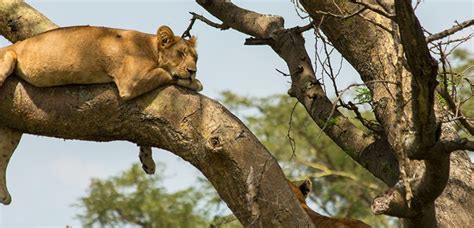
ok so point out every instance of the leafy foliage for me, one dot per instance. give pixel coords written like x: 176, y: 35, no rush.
x: 363, y: 95
x: 134, y: 198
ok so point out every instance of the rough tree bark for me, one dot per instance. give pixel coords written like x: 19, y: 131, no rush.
x: 190, y: 125
x: 372, y: 44
x: 390, y: 53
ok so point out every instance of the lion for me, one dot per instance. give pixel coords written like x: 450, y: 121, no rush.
x: 302, y: 191
x: 136, y: 62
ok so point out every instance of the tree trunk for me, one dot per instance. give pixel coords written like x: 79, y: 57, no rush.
x: 368, y: 42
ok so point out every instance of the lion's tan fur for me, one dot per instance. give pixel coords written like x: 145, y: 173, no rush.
x: 302, y: 191
x: 135, y: 61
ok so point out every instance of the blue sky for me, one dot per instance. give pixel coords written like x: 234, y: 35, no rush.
x: 46, y: 175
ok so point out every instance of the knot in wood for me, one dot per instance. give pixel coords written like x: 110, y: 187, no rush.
x: 13, y: 24
x: 214, y: 144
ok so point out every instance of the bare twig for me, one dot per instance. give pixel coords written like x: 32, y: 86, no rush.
x: 452, y: 30
x: 453, y: 107
x: 376, y: 8
x: 267, y: 41
x: 291, y: 140
x: 459, y: 40
x: 342, y: 93
x: 186, y: 33
x: 346, y: 16
x: 327, y: 62
x: 448, y: 146
x: 371, y: 125
x: 418, y: 2
x: 283, y: 73
x: 299, y: 8
x: 297, y: 71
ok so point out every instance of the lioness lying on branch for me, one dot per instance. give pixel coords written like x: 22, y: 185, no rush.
x: 136, y: 62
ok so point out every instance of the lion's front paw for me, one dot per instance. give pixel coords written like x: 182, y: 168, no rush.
x: 190, y: 84
x: 196, y: 85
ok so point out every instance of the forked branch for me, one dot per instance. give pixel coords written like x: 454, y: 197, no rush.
x: 187, y: 33
x: 289, y: 45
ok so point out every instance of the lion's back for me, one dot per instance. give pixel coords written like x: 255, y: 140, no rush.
x: 72, y: 55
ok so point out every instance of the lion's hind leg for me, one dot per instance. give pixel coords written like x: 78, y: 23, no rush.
x: 7, y: 65
x: 9, y: 139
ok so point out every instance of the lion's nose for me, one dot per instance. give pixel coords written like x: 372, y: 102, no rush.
x: 191, y: 71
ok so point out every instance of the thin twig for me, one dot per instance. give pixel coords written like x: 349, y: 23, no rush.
x: 346, y: 16
x: 417, y: 4
x: 291, y: 139
x: 342, y: 93
x: 283, y: 73
x: 299, y: 8
x: 186, y: 33
x: 368, y: 124
x: 450, y: 31
x: 377, y: 9
x: 454, y: 109
x: 461, y: 40
x: 295, y: 72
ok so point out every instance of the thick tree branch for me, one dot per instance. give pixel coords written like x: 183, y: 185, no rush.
x: 392, y: 202
x: 448, y: 146
x: 420, y: 209
x: 289, y: 45
x: 424, y: 70
x: 458, y: 27
x: 190, y: 125
x: 19, y: 20
x: 243, y: 20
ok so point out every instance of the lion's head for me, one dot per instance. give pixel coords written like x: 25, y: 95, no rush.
x: 302, y: 191
x: 178, y: 56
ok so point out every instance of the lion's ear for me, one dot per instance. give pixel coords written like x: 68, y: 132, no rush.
x: 193, y: 41
x: 306, y: 187
x: 165, y: 37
